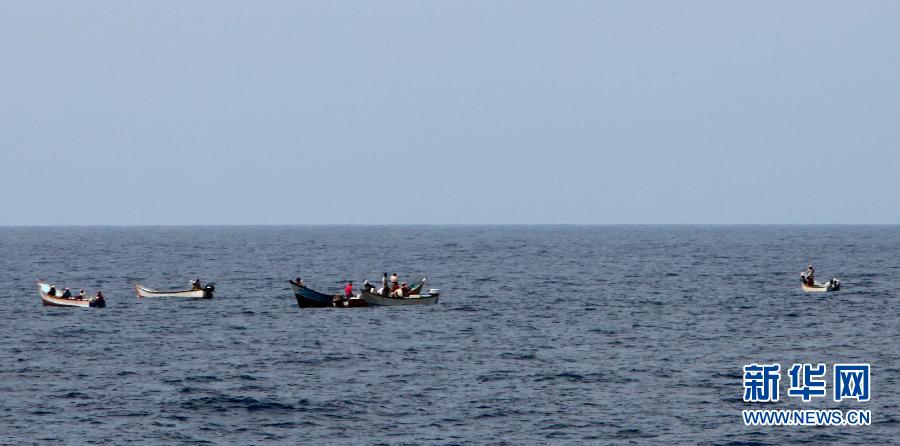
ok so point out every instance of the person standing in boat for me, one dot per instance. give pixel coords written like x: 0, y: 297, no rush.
x: 384, y: 288
x: 810, y: 273
x: 348, y: 291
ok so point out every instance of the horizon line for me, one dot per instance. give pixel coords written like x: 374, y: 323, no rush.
x: 163, y: 225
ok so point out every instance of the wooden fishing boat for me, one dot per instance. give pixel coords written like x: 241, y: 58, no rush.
x: 310, y: 298
x: 203, y: 293
x: 58, y: 301
x: 808, y: 285
x: 831, y: 285
x: 377, y: 300
x: 821, y: 287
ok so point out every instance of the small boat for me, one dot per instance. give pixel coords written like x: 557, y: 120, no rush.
x: 58, y: 301
x: 377, y: 300
x: 831, y: 285
x: 203, y: 293
x: 310, y: 298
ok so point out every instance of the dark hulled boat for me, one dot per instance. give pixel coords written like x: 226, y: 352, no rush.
x: 309, y: 298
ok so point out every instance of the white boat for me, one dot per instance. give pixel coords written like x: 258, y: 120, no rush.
x: 203, y: 293
x: 56, y: 300
x: 816, y: 287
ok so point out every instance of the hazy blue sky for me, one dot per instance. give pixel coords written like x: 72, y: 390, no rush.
x: 202, y: 112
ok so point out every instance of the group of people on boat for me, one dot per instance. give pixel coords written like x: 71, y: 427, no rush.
x: 390, y: 287
x: 67, y: 294
x: 396, y: 288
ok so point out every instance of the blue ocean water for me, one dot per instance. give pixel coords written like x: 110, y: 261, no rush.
x: 543, y: 335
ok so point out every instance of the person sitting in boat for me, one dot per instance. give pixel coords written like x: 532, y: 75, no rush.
x: 395, y: 285
x: 52, y: 291
x: 348, y: 291
x: 196, y: 285
x: 394, y: 280
x: 300, y: 282
x: 66, y: 294
x: 81, y: 294
x: 400, y: 290
x: 368, y: 287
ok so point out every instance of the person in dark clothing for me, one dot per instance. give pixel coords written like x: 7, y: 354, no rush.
x: 66, y: 294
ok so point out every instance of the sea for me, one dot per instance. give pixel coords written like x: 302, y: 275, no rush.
x: 542, y: 335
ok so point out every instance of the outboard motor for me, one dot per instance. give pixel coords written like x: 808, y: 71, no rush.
x: 208, y: 290
x: 834, y: 284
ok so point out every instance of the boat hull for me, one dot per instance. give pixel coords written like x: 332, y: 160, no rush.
x: 377, y: 300
x: 353, y: 302
x: 816, y: 289
x: 196, y: 294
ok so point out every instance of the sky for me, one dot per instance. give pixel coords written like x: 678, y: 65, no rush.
x: 449, y: 112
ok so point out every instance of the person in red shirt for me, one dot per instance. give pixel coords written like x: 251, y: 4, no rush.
x: 348, y: 290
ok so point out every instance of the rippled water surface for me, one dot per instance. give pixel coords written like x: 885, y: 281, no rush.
x: 570, y: 335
